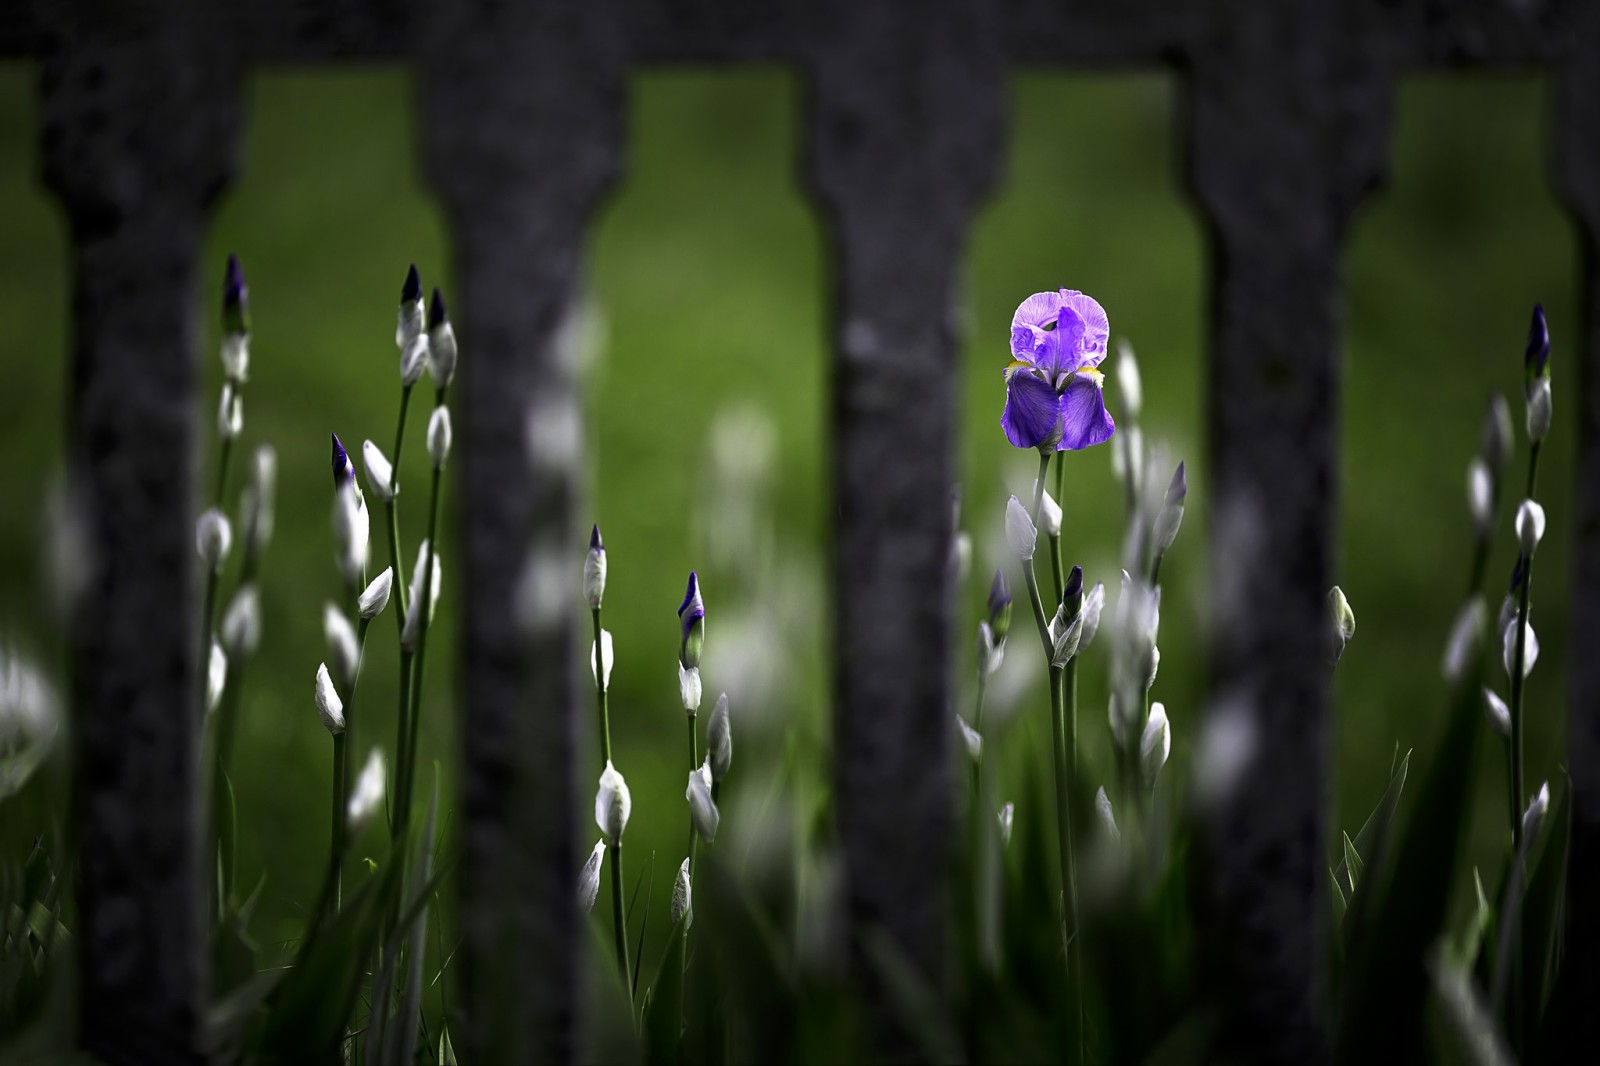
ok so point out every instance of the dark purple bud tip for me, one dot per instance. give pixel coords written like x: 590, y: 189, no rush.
x: 999, y: 592
x: 235, y: 298
x: 595, y: 543
x: 1073, y: 594
x: 691, y: 596
x: 436, y: 312
x: 342, y: 470
x: 411, y: 291
x: 1179, y: 487
x: 1516, y: 574
x: 233, y: 281
x: 1538, y: 350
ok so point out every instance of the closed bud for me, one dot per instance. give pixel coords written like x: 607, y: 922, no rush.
x: 1020, y: 531
x: 719, y: 739
x: 960, y: 556
x: 1005, y: 817
x: 1538, y: 410
x: 1049, y: 515
x: 1466, y: 634
x: 1480, y: 497
x: 1499, y: 715
x: 230, y: 413
x: 351, y: 530
x: 213, y: 536
x: 1108, y: 821
x: 344, y: 649
x: 601, y: 656
x: 1533, y: 817
x: 343, y: 471
x: 612, y: 804
x: 380, y: 473
x: 1530, y: 526
x: 216, y: 676
x: 689, y: 687
x: 1170, y: 517
x: 1343, y: 620
x: 235, y: 308
x: 419, y: 615
x: 1155, y: 745
x: 589, y: 878
x: 594, y: 571
x: 683, y: 897
x: 367, y: 797
x: 439, y: 436
x: 1128, y: 383
x: 256, y: 511
x: 1508, y: 648
x: 410, y: 330
x: 1000, y: 606
x: 375, y: 597
x: 991, y: 653
x: 241, y: 623
x: 1536, y: 355
x: 702, y: 808
x: 1089, y: 615
x: 329, y: 706
x: 413, y: 360
x: 971, y: 740
x: 691, y: 623
x: 1496, y: 439
x: 441, y: 343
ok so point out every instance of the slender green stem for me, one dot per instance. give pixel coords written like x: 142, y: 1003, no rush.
x: 694, y: 835
x: 977, y: 727
x: 336, y: 824
x: 402, y: 734
x: 1517, y: 686
x: 619, y: 922
x: 600, y: 691
x: 224, y: 453
x: 1055, y: 540
x: 391, y: 509
x: 1069, y: 761
x: 1038, y: 486
x: 1039, y: 618
x: 424, y: 624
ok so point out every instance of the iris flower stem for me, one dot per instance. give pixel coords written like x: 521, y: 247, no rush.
x: 1055, y: 539
x: 1516, y: 699
x: 694, y: 765
x: 977, y: 727
x: 336, y: 823
x: 391, y: 511
x: 619, y: 921
x: 1038, y: 486
x: 402, y: 732
x: 424, y: 624
x: 600, y: 693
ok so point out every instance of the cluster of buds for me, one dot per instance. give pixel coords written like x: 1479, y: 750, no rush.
x: 1077, y: 619
x: 993, y: 630
x: 235, y: 351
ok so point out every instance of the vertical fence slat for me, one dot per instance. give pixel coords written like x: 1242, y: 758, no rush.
x: 904, y: 133
x: 140, y: 128
x: 522, y: 127
x: 1286, y: 135
x: 1578, y: 148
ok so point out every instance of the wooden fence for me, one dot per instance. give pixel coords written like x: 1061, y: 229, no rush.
x: 1286, y: 119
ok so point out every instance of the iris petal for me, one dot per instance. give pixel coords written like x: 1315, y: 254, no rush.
x: 1033, y: 411
x: 1037, y: 310
x: 1084, y: 419
x: 1063, y: 346
x: 1097, y: 327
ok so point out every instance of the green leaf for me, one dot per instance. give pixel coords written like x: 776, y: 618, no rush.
x: 1352, y: 862
x: 1378, y: 821
x: 447, y: 1052
x: 1340, y: 901
x: 1543, y: 913
x: 405, y: 1024
x: 644, y: 921
x: 1398, y: 915
x: 663, y: 1018
x: 226, y: 812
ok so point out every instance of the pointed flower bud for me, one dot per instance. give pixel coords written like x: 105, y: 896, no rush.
x: 691, y: 621
x: 601, y: 658
x: 375, y: 597
x: 1539, y: 410
x: 367, y: 797
x: 235, y: 307
x: 329, y: 706
x: 1020, y: 531
x: 344, y: 650
x: 1508, y: 648
x: 1128, y: 382
x: 213, y: 536
x: 1343, y: 618
x: 380, y: 472
x: 439, y: 436
x: 719, y: 739
x: 241, y: 623
x: 414, y: 625
x: 594, y: 571
x: 1530, y: 526
x: 411, y: 290
x: 1049, y: 515
x: 683, y: 897
x: 256, y: 511
x: 441, y: 343
x: 702, y: 808
x: 1466, y: 634
x: 991, y: 653
x: 612, y: 804
x: 689, y: 687
x: 413, y: 360
x: 351, y: 531
x: 1007, y: 813
x: 216, y: 676
x: 230, y: 412
x: 1155, y: 745
x: 1108, y: 821
x: 1480, y: 497
x: 342, y: 470
x: 971, y: 740
x: 1533, y: 817
x: 589, y: 878
x: 1170, y: 517
x: 1000, y: 606
x: 410, y: 334
x: 1495, y: 709
x: 1536, y: 355
x: 1496, y: 438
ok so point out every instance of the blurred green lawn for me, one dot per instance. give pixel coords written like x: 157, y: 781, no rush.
x: 709, y: 285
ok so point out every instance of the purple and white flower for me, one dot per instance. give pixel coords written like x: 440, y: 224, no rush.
x: 1054, y: 388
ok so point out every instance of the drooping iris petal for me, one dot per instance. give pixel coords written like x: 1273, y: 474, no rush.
x: 1097, y: 327
x: 1085, y: 421
x: 1033, y: 410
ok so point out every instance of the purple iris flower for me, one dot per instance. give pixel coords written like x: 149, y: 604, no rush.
x: 1053, y: 385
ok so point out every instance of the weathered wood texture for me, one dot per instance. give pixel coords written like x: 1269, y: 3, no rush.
x: 140, y: 127
x: 522, y: 126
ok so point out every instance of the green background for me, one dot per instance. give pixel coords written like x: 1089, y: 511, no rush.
x: 709, y: 288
